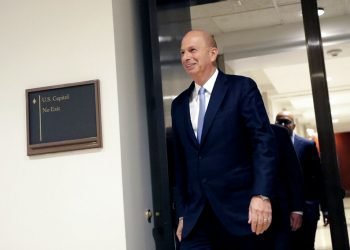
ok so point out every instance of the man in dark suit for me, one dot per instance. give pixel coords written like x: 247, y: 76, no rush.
x: 287, y: 205
x: 224, y: 162
x: 304, y: 238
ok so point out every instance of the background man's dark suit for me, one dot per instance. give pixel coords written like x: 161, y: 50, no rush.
x: 234, y: 161
x: 289, y: 188
x: 313, y: 192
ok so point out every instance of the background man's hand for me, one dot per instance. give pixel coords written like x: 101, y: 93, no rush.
x: 295, y: 221
x: 325, y: 218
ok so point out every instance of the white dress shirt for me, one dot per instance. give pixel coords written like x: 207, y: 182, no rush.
x: 292, y: 137
x: 194, y: 100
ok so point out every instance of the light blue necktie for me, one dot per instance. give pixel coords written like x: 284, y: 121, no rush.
x: 201, y: 94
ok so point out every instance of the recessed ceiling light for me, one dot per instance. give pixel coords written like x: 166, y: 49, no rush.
x: 334, y: 52
x: 320, y: 11
x: 163, y: 39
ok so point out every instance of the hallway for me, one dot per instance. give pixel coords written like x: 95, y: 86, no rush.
x: 323, y: 237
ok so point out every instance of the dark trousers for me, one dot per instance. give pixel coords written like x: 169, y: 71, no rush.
x: 304, y: 238
x: 275, y: 239
x: 210, y: 234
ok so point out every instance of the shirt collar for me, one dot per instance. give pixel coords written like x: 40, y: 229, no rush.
x: 208, y: 85
x: 293, y: 137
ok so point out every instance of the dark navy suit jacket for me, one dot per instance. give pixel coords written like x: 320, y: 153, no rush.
x: 289, y: 184
x: 236, y: 157
x: 313, y: 180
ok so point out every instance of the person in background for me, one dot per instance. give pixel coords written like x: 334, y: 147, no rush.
x: 224, y: 154
x: 287, y: 206
x: 304, y: 238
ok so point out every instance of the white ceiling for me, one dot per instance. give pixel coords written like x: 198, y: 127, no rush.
x: 264, y: 39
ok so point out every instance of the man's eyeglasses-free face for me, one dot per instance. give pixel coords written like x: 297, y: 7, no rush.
x: 283, y: 122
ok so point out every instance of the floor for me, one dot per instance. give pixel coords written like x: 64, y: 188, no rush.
x: 323, y: 237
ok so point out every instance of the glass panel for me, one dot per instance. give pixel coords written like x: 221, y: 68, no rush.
x: 335, y: 31
x: 173, y: 22
x: 265, y: 40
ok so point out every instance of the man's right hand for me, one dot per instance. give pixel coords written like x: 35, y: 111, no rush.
x: 295, y: 221
x: 179, y: 229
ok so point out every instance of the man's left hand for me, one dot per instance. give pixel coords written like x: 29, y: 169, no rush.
x: 325, y: 218
x: 260, y: 214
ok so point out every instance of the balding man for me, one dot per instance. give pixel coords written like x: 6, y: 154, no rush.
x: 304, y: 238
x: 224, y: 152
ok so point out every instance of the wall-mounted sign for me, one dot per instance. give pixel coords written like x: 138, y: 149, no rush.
x: 63, y: 117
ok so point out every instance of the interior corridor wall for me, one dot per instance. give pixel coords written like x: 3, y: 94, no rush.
x: 71, y: 200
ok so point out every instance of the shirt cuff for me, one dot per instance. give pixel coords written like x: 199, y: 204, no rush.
x: 263, y: 197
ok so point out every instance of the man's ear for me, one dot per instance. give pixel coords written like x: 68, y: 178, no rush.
x: 213, y: 53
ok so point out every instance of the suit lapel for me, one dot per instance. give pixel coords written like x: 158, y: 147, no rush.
x: 297, y: 145
x: 216, y: 98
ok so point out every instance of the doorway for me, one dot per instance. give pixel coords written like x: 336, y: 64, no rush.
x: 265, y: 40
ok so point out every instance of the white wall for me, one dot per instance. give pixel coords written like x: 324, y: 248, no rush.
x: 71, y: 200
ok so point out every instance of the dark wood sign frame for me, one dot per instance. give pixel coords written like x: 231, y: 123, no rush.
x: 63, y: 117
